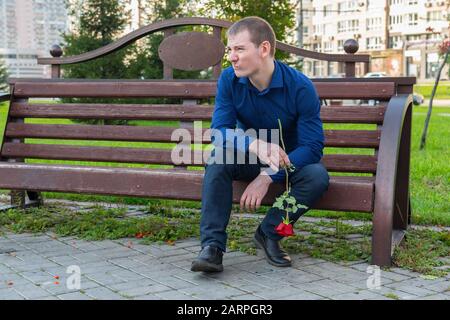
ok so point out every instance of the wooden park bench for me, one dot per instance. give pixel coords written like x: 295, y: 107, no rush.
x: 383, y: 191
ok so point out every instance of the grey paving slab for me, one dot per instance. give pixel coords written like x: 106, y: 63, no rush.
x: 102, y: 293
x: 396, y: 294
x: 151, y: 297
x: 247, y: 297
x: 411, y: 289
x: 438, y: 296
x: 359, y: 295
x: 10, y: 294
x: 213, y: 291
x: 97, y: 266
x: 173, y: 281
x: 4, y: 269
x: 74, y: 296
x: 64, y: 260
x: 49, y: 298
x: 104, y: 278
x: 323, y: 286
x: 174, y: 295
x: 31, y: 291
x: 131, y: 284
x: 36, y: 277
x: 288, y: 292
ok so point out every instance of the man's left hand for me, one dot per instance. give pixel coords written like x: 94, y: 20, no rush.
x: 255, y: 192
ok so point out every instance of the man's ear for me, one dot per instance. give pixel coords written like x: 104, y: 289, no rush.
x: 265, y: 48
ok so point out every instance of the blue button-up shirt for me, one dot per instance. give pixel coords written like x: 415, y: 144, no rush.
x: 290, y: 97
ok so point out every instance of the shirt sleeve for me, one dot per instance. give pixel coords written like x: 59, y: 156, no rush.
x: 309, y: 130
x: 224, y: 119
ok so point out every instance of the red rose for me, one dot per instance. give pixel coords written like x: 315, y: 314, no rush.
x: 285, y: 230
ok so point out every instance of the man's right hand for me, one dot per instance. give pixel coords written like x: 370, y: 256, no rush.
x: 270, y: 153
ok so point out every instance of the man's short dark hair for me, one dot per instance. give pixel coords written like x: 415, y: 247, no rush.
x: 258, y: 28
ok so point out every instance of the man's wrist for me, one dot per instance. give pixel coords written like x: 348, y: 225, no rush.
x: 266, y: 178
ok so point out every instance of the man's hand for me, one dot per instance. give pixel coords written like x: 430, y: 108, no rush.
x: 270, y: 153
x: 255, y: 192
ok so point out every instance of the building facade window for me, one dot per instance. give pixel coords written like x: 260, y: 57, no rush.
x: 434, y: 15
x: 347, y: 6
x: 413, y: 19
x: 373, y: 43
x: 348, y: 26
x: 395, y: 42
x: 397, y: 19
x: 373, y: 24
x: 327, y: 10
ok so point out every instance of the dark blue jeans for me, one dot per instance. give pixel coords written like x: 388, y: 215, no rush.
x: 307, y: 185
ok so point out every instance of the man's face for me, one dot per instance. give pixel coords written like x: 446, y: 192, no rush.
x: 243, y: 54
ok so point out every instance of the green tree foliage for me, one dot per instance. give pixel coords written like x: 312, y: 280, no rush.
x: 279, y: 13
x: 148, y: 62
x: 100, y: 23
x: 3, y: 77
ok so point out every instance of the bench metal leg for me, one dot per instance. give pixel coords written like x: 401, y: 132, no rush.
x: 382, y: 238
x: 383, y: 246
x: 18, y: 200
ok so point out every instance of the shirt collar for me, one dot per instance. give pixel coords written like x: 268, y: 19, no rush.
x: 276, y: 82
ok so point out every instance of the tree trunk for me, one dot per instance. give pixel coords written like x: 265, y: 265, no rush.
x: 427, y: 120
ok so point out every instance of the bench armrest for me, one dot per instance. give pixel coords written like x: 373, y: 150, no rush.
x: 391, y: 203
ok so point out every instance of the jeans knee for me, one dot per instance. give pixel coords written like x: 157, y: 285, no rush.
x: 315, y: 176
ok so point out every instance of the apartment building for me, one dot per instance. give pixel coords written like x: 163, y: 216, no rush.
x: 28, y: 29
x: 400, y: 35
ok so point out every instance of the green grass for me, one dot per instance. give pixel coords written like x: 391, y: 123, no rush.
x: 442, y: 91
x: 430, y: 169
x: 391, y: 296
x: 422, y: 250
x: 99, y: 223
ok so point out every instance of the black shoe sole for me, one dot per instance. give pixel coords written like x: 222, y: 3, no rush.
x: 259, y: 245
x: 205, y: 266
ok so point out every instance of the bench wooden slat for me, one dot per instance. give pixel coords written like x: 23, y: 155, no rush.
x: 113, y: 111
x: 352, y: 138
x: 335, y: 163
x: 350, y: 163
x: 116, y: 89
x: 180, y: 88
x: 89, y: 153
x: 341, y: 114
x: 353, y: 114
x: 333, y: 138
x: 91, y: 132
x: 344, y: 193
x: 355, y: 90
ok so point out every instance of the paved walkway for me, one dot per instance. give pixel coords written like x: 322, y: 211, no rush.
x: 47, y: 267
x: 39, y: 267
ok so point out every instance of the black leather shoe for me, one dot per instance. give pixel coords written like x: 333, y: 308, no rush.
x: 275, y: 255
x: 208, y: 260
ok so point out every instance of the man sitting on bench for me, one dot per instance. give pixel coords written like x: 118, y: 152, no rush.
x: 254, y: 93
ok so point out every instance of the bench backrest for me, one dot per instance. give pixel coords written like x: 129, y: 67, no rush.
x: 126, y: 144
x: 146, y: 142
